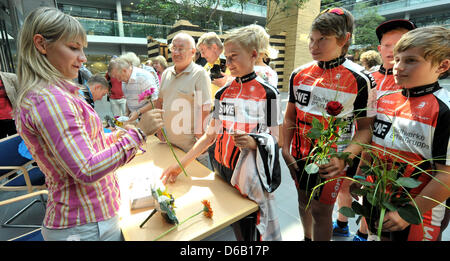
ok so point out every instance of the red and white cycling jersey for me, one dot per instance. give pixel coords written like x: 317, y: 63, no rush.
x: 247, y: 104
x: 313, y: 85
x: 414, y: 125
x: 385, y: 84
x: 385, y: 81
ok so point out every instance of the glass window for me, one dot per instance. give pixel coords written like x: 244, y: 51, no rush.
x: 90, y: 12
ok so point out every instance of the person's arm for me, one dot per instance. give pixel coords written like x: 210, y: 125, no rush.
x: 288, y: 130
x: 437, y: 189
x: 65, y: 132
x: 202, y: 103
x: 133, y: 116
x: 363, y: 135
x: 170, y: 174
x: 206, y: 112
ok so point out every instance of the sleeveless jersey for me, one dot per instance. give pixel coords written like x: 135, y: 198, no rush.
x: 313, y: 85
x: 414, y: 124
x: 247, y: 104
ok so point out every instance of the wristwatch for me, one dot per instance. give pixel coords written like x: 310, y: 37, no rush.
x: 139, y: 114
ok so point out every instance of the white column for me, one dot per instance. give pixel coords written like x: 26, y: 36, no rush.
x: 119, y: 17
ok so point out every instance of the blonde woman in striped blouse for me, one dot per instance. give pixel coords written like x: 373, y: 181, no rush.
x: 65, y: 135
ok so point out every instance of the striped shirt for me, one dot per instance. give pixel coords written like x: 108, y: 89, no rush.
x: 140, y: 80
x: 65, y: 136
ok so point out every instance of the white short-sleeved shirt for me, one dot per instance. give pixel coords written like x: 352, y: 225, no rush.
x: 140, y: 80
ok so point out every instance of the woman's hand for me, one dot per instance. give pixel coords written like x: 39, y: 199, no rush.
x: 170, y: 174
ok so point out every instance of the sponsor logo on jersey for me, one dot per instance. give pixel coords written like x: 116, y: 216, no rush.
x: 421, y: 105
x: 381, y: 128
x: 303, y: 97
x: 226, y: 109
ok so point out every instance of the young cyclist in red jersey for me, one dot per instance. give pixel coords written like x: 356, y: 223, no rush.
x: 418, y: 116
x: 331, y: 76
x: 388, y: 33
x: 246, y: 105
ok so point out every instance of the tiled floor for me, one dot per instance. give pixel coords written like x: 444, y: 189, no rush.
x: 286, y: 199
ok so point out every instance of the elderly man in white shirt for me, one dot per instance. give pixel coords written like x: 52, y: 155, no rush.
x: 134, y: 81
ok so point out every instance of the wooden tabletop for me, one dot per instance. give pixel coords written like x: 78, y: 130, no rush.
x: 226, y: 202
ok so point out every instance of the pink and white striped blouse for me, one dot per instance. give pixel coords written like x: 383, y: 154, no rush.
x: 65, y: 136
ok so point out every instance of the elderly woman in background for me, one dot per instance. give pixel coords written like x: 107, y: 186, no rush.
x: 160, y: 64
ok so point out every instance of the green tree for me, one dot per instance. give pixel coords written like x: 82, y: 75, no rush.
x: 195, y: 11
x: 204, y: 12
x: 330, y: 3
x: 366, y: 21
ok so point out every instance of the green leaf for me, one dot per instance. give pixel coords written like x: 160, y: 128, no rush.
x: 312, y: 168
x: 314, y: 133
x: 400, y: 201
x: 366, y: 170
x: 366, y: 183
x: 389, y: 206
x: 346, y: 211
x: 316, y: 124
x: 410, y: 214
x: 408, y: 182
x: 372, y: 198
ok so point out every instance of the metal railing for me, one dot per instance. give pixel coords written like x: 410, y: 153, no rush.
x: 104, y: 27
x: 401, y: 4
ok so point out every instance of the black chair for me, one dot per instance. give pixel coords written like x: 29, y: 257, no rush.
x: 18, y: 174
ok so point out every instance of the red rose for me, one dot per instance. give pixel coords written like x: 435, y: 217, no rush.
x: 334, y: 108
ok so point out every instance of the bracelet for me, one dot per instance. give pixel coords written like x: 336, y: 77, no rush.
x: 139, y: 114
x: 142, y: 134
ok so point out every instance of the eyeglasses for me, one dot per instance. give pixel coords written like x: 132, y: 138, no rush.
x: 335, y: 10
x: 178, y: 49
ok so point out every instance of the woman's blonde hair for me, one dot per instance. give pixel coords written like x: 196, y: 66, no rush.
x: 245, y: 37
x: 161, y: 60
x: 34, y: 71
x: 371, y: 58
